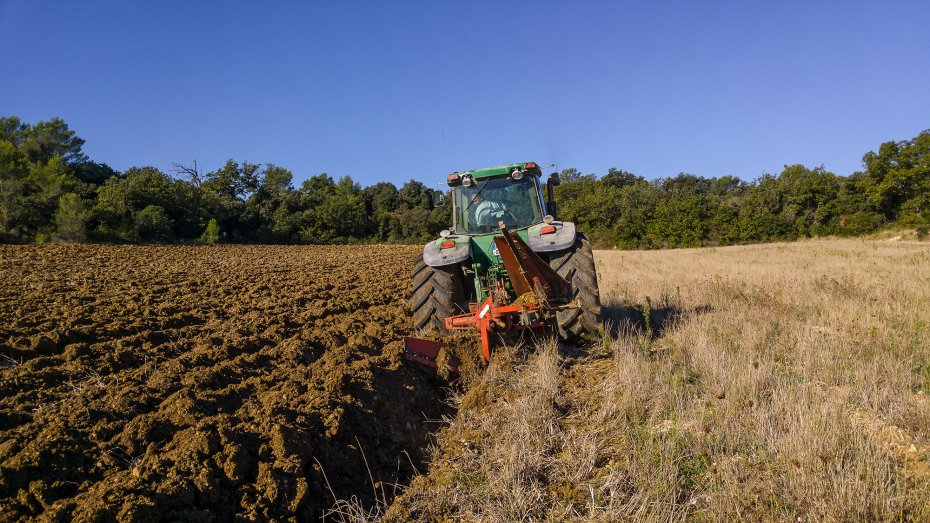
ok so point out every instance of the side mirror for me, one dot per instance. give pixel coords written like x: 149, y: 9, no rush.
x: 550, y: 194
x: 439, y: 199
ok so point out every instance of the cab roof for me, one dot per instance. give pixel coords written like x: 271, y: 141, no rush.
x: 490, y: 172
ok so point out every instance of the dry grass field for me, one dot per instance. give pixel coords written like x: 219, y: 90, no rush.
x: 784, y: 382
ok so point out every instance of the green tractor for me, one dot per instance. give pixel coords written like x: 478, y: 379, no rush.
x: 507, y: 263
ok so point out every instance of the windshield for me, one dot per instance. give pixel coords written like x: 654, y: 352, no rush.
x: 478, y: 208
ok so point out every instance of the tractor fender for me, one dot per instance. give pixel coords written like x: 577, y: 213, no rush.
x: 561, y: 239
x: 435, y: 256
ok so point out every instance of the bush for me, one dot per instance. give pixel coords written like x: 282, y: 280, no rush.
x: 212, y: 233
x: 153, y: 224
x: 922, y: 232
x: 861, y: 222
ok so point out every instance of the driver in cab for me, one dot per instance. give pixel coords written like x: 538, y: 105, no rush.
x: 489, y: 212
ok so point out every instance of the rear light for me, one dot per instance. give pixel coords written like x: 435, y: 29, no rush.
x: 454, y: 179
x: 447, y: 244
x: 531, y: 165
x: 547, y: 229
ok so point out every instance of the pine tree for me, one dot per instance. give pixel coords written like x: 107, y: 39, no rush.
x: 71, y: 218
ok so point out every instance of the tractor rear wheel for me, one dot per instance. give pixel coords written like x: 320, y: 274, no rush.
x: 576, y: 265
x: 435, y: 294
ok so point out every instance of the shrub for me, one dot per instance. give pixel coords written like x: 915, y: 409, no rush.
x: 212, y: 233
x: 153, y: 224
x: 861, y: 222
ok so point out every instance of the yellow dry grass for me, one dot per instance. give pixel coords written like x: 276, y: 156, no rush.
x: 784, y: 382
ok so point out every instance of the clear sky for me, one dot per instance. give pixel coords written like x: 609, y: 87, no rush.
x: 400, y: 90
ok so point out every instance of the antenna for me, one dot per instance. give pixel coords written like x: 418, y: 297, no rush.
x: 442, y: 151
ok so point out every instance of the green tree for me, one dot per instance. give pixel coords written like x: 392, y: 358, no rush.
x: 153, y: 224
x: 414, y: 194
x: 679, y: 222
x: 233, y: 180
x: 570, y: 196
x: 46, y: 140
x: 619, y: 178
x: 93, y: 173
x: 811, y: 199
x: 337, y: 211
x: 632, y: 211
x: 897, y: 179
x: 269, y: 206
x: 43, y: 186
x: 119, y: 199
x: 223, y: 197
x: 760, y: 216
x: 382, y: 201
x: 12, y: 130
x: 212, y: 233
x: 71, y: 218
x: 414, y: 219
x: 111, y: 216
x: 574, y: 175
x: 13, y: 205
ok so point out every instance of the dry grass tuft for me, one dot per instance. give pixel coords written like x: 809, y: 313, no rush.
x: 768, y: 382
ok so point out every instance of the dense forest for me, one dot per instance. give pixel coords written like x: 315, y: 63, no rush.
x: 51, y: 191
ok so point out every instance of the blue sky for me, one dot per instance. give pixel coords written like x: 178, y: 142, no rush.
x: 400, y: 90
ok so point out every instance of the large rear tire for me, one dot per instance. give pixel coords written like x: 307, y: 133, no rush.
x: 435, y: 294
x: 576, y: 265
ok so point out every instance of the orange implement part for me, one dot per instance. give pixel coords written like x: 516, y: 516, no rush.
x: 487, y: 317
x: 530, y: 273
x: 425, y: 353
x: 537, y: 286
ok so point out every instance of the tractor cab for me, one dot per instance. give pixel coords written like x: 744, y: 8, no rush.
x: 483, y: 198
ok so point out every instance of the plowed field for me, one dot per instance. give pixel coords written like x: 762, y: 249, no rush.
x: 205, y: 383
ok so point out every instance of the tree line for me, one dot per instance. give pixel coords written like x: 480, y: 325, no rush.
x: 623, y: 210
x: 51, y: 191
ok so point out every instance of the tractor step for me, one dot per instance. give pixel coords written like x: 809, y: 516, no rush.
x: 425, y: 353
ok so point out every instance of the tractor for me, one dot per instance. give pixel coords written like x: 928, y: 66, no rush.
x: 506, y: 265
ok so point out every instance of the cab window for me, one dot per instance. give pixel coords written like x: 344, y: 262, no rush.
x: 479, y: 208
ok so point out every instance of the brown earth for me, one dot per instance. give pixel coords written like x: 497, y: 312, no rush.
x: 205, y: 383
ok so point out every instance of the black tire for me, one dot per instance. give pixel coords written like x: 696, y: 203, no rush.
x: 435, y: 294
x: 576, y: 265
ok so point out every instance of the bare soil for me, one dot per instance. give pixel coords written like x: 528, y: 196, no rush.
x: 206, y: 383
